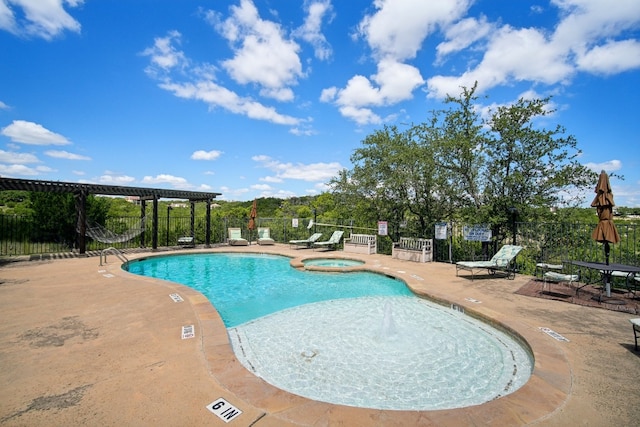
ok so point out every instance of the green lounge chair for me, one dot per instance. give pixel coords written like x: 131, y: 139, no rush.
x: 503, y: 260
x: 264, y: 236
x: 305, y: 243
x: 332, y: 243
x: 235, y: 237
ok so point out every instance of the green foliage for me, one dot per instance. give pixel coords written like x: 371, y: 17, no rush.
x: 456, y: 166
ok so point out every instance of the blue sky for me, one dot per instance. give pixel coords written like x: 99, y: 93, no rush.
x: 270, y: 98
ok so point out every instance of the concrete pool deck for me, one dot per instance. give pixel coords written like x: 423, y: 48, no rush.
x: 84, y: 344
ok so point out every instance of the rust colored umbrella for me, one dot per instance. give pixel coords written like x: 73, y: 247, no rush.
x: 252, y: 216
x: 605, y: 232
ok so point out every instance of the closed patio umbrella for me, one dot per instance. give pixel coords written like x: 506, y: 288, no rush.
x: 252, y: 217
x: 605, y: 231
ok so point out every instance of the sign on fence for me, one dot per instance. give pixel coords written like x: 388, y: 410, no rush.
x: 441, y: 231
x: 382, y: 228
x: 477, y: 233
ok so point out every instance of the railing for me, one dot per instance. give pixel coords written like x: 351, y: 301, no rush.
x: 542, y: 242
x: 114, y: 251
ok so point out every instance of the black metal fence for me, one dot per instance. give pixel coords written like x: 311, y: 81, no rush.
x: 542, y: 242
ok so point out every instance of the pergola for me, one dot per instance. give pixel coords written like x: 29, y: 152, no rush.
x: 81, y: 191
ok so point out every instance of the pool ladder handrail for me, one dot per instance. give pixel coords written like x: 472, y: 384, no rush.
x: 115, y: 251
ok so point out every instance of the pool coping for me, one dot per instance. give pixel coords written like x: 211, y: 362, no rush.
x: 546, y: 391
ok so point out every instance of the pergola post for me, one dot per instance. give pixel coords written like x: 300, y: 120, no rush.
x: 193, y: 221
x: 154, y: 243
x: 207, y: 236
x: 81, y: 226
x: 143, y: 212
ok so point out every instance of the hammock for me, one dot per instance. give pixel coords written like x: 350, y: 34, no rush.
x: 103, y: 235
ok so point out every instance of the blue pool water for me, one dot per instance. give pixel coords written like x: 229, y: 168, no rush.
x: 243, y: 287
x: 332, y: 262
x: 358, y: 339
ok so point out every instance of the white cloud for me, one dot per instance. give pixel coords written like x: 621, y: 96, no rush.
x: 608, y: 166
x: 22, y: 170
x: 262, y: 54
x: 463, y: 34
x: 394, y: 82
x: 202, y: 88
x: 175, y: 181
x: 611, y: 58
x: 32, y: 133
x: 272, y: 179
x: 59, y: 154
x: 115, y: 179
x: 310, y: 172
x: 19, y: 158
x: 311, y: 32
x: 398, y: 27
x: 3, y: 106
x: 395, y: 32
x: 215, y: 95
x: 38, y: 18
x: 164, y: 55
x: 261, y: 187
x: 585, y: 39
x: 206, y: 155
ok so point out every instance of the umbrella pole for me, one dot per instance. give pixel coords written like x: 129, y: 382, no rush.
x: 607, y: 276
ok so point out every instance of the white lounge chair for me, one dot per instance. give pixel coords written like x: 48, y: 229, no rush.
x: 503, y: 260
x: 332, y: 243
x: 307, y: 243
x: 235, y: 237
x: 264, y: 236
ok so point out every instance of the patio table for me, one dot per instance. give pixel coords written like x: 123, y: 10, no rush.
x: 606, y: 270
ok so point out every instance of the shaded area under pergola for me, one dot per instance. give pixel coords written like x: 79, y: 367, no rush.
x: 81, y: 191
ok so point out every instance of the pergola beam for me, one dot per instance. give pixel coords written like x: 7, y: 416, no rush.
x: 82, y: 190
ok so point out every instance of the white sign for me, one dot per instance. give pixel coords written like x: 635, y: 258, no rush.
x: 188, y: 332
x: 294, y: 222
x: 441, y: 231
x: 477, y: 233
x: 224, y: 410
x: 382, y: 228
x: 176, y: 297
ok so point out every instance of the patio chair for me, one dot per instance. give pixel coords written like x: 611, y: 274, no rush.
x: 558, y: 277
x: 305, y: 243
x: 636, y: 329
x: 235, y: 238
x: 332, y: 243
x: 264, y: 236
x: 503, y: 260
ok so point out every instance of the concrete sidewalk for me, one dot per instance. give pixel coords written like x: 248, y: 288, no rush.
x: 84, y: 344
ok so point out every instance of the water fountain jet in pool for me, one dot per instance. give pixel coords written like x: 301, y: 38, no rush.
x: 388, y: 328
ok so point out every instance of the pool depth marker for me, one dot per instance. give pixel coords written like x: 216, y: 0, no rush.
x: 224, y: 410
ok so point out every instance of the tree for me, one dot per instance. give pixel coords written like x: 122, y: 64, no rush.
x: 456, y: 165
x: 528, y: 168
x: 393, y: 178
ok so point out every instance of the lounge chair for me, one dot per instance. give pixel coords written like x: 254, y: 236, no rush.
x: 264, y: 236
x: 503, y: 260
x: 235, y: 238
x: 307, y: 243
x: 332, y: 243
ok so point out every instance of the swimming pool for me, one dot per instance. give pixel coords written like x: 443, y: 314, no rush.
x: 358, y: 339
x: 244, y: 287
